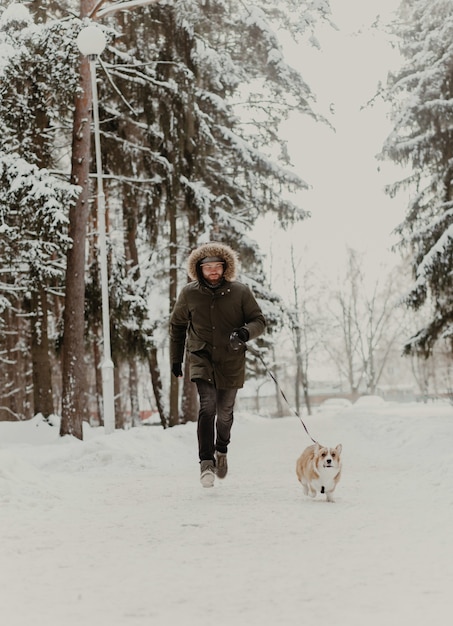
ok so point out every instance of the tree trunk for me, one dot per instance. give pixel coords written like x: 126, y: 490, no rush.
x: 305, y: 387
x: 41, y: 366
x: 131, y: 222
x: 119, y: 408
x: 11, y: 408
x: 174, y: 382
x: 296, y: 332
x: 157, y: 386
x: 74, y: 405
x: 278, y: 397
x: 133, y: 391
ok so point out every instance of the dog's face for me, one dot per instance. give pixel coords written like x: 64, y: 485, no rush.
x: 327, y: 457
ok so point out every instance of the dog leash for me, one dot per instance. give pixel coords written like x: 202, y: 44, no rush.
x: 258, y: 356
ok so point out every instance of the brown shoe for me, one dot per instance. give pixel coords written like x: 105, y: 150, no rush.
x: 221, y: 464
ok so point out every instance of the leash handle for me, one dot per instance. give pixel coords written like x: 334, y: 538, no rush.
x: 258, y: 355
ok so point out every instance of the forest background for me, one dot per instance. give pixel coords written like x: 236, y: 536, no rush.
x: 194, y: 98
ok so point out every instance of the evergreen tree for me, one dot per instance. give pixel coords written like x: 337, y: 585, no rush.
x: 33, y: 199
x: 422, y: 138
x: 190, y: 103
x: 190, y: 132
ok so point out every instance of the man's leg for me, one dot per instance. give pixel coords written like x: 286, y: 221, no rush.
x: 206, y: 420
x: 225, y: 406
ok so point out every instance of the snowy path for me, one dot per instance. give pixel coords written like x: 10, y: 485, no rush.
x: 117, y: 530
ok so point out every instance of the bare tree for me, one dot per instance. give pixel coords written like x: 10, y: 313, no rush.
x: 367, y: 325
x: 304, y: 324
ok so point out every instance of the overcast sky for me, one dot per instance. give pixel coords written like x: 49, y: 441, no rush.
x: 347, y: 200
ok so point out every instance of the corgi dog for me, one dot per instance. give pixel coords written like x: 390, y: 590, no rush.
x: 319, y: 469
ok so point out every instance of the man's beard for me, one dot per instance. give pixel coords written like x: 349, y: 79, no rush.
x: 214, y: 282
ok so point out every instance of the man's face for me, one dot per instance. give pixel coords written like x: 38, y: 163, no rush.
x: 212, y: 272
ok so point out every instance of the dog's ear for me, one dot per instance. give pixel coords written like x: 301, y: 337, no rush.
x: 316, y: 448
x: 339, y: 448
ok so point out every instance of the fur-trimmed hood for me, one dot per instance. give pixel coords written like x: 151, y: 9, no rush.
x: 213, y: 249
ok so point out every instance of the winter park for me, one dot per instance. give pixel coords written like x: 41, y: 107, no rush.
x: 226, y: 312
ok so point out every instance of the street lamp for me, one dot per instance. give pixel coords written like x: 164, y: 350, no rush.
x: 91, y: 43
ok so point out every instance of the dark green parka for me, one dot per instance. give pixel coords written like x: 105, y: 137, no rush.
x: 203, y: 319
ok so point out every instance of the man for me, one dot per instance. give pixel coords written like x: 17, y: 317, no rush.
x: 217, y: 315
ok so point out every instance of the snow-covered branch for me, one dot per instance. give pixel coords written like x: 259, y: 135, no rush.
x: 121, y: 6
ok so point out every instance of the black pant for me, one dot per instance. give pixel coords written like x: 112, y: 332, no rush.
x: 214, y: 435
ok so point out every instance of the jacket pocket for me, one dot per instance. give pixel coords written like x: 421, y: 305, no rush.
x: 195, y: 346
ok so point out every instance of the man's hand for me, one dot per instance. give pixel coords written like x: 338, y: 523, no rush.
x: 177, y: 370
x: 238, y: 337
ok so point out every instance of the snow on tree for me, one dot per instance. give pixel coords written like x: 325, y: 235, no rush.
x: 189, y: 117
x: 34, y: 198
x: 422, y: 138
x: 191, y: 99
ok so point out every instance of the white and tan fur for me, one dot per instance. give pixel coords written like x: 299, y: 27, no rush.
x: 319, y: 469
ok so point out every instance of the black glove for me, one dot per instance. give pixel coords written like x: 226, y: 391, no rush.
x: 238, y: 337
x: 177, y: 369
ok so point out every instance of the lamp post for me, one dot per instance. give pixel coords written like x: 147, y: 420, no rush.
x: 91, y: 43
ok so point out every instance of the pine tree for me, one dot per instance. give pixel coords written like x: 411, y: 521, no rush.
x: 32, y: 198
x: 190, y: 103
x: 422, y: 138
x: 203, y: 89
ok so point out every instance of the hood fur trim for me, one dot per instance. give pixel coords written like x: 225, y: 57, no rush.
x: 213, y: 249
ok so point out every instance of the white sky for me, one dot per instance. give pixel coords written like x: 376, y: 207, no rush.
x: 347, y: 200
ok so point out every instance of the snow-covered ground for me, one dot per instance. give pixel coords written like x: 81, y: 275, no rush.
x: 116, y: 530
